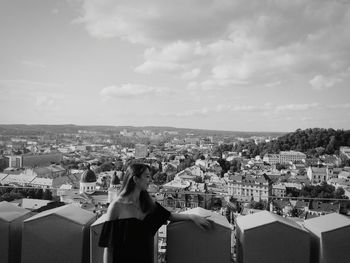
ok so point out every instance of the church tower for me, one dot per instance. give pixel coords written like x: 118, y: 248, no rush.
x: 88, y: 181
x: 114, y: 187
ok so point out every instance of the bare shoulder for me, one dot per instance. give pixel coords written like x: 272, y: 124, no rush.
x: 113, y: 210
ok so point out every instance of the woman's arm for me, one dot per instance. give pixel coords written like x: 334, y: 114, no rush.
x: 202, y: 222
x: 108, y: 255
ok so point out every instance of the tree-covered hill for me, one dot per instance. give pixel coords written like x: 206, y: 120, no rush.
x: 313, y: 142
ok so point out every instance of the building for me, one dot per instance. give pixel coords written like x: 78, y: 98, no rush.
x: 247, y: 188
x: 34, y: 160
x: 88, y: 181
x: 271, y: 158
x: 345, y: 150
x: 291, y: 156
x: 279, y: 190
x: 114, y: 187
x: 318, y: 208
x: 318, y: 175
x: 141, y: 151
x: 284, y: 157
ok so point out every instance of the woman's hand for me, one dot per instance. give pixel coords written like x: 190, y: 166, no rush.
x: 201, y: 222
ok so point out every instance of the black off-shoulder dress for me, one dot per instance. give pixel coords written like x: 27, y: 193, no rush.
x: 131, y: 238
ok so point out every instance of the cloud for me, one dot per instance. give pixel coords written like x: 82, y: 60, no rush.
x: 131, y: 91
x: 44, y: 100
x: 230, y: 41
x: 177, y: 57
x: 297, y: 107
x: 188, y: 113
x: 156, y: 21
x: 191, y: 74
x: 320, y: 82
x: 267, y: 109
x: 49, y: 102
x: 212, y: 84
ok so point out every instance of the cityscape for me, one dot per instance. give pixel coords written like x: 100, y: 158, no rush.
x: 230, y: 174
x: 220, y: 127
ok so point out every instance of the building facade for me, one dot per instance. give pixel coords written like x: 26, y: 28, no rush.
x: 248, y: 188
x: 141, y: 151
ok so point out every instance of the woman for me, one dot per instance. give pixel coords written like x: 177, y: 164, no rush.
x: 133, y: 219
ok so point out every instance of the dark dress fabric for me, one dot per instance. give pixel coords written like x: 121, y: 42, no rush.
x: 132, y: 238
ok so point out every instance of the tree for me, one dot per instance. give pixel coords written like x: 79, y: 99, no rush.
x: 198, y: 179
x: 331, y: 145
x: 261, y: 205
x: 235, y: 165
x: 39, y: 193
x: 107, y: 166
x: 320, y: 151
x: 280, y: 166
x: 47, y: 195
x: 160, y: 178
x: 31, y: 193
x: 339, y: 193
x: 7, y: 197
x: 296, y: 212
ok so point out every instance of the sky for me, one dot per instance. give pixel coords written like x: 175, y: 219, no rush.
x: 236, y: 65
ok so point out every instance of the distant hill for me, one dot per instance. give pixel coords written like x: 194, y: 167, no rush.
x: 312, y: 140
x: 23, y: 129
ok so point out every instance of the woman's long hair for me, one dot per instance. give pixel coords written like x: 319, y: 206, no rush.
x: 137, y: 169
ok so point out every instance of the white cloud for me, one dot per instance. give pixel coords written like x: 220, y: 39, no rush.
x: 158, y: 66
x: 44, y: 100
x: 212, y: 84
x: 188, y: 113
x: 156, y: 21
x: 236, y: 40
x: 229, y: 43
x: 131, y: 90
x: 267, y: 109
x: 175, y: 57
x: 191, y: 74
x: 297, y: 107
x: 50, y: 102
x: 320, y: 82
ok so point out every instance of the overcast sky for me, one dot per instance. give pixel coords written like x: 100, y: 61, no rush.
x: 252, y: 65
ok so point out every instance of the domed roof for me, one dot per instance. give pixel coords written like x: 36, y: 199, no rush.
x: 115, y: 179
x: 88, y: 176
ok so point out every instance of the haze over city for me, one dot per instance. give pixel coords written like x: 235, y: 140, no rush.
x: 220, y: 65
